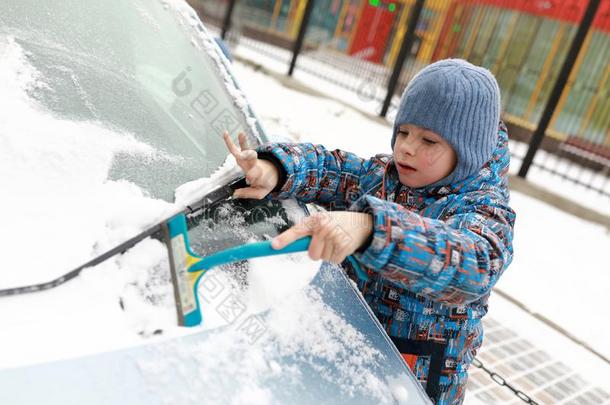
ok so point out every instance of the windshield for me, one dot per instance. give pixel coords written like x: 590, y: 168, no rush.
x: 106, y: 108
x: 136, y: 69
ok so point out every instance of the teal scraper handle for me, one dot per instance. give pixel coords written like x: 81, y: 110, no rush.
x: 261, y: 249
x: 187, y: 268
x: 249, y: 251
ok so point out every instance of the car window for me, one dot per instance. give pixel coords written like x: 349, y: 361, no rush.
x: 138, y: 68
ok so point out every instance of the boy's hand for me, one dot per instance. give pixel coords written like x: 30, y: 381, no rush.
x: 335, y: 235
x: 261, y: 175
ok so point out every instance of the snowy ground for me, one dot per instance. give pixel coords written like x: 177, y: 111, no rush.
x: 559, y: 269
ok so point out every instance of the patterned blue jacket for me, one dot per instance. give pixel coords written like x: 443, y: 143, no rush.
x: 435, y: 254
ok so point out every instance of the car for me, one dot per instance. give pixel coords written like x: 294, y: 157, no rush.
x: 117, y: 112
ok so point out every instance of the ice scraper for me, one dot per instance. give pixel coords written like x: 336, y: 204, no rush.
x: 187, y: 268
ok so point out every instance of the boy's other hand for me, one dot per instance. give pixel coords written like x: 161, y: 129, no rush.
x: 335, y: 234
x: 261, y: 175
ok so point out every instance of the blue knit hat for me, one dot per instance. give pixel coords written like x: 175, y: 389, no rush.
x: 460, y: 102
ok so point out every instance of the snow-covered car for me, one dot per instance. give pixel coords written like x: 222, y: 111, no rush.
x: 111, y: 115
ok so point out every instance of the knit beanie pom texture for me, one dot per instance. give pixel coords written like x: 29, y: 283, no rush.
x: 460, y: 102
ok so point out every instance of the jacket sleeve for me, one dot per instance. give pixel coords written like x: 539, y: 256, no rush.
x: 455, y: 260
x: 333, y: 179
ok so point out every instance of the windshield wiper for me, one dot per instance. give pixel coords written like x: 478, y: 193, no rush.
x: 156, y: 231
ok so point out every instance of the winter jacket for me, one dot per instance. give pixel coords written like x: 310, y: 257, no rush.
x: 435, y: 254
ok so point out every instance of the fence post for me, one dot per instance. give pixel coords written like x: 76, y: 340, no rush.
x: 559, y: 86
x: 226, y: 24
x: 405, y: 48
x: 301, y: 36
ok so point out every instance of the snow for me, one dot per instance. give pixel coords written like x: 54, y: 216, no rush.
x: 312, y: 119
x: 190, y: 192
x: 299, y: 326
x: 55, y: 171
x: 556, y: 345
x: 269, y: 283
x: 359, y: 92
x: 560, y: 269
x: 64, y: 323
x: 61, y: 210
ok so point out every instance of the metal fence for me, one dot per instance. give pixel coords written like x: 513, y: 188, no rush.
x: 358, y: 45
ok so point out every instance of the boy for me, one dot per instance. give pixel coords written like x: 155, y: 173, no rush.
x: 430, y: 224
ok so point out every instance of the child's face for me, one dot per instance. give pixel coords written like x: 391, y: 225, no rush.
x: 422, y: 157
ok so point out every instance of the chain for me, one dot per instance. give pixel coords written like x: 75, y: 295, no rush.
x: 502, y: 382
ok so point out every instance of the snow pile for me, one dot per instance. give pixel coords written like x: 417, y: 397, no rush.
x: 192, y: 191
x: 232, y: 366
x: 271, y: 279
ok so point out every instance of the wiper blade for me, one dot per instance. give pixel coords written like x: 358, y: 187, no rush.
x: 155, y: 231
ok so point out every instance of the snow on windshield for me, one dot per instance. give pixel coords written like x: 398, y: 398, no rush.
x: 60, y: 210
x: 298, y: 327
x: 57, y: 201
